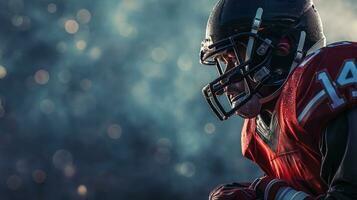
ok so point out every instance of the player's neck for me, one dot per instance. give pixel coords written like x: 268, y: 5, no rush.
x: 269, y: 107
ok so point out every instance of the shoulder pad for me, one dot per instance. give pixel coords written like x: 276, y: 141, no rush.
x: 327, y: 84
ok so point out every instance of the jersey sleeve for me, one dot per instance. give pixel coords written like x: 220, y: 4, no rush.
x: 339, y: 161
x: 327, y: 86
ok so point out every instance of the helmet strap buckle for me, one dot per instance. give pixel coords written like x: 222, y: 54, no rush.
x: 261, y: 74
x: 263, y: 48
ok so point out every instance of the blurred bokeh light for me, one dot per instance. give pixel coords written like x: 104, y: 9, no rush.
x: 101, y: 100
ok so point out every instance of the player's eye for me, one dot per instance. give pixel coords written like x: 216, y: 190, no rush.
x: 230, y: 60
x: 228, y: 57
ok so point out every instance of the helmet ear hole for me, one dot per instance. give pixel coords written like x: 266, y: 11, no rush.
x: 283, y: 48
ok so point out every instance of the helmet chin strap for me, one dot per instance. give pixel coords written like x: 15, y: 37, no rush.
x: 298, y: 58
x: 299, y: 52
x: 255, y: 27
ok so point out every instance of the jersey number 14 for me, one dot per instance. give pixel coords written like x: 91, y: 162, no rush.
x: 347, y: 76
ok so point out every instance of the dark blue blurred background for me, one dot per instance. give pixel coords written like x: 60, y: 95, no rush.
x: 101, y: 100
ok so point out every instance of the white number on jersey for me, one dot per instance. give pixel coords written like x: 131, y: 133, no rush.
x: 347, y: 76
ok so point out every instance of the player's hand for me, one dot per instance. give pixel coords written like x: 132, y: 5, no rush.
x: 233, y: 191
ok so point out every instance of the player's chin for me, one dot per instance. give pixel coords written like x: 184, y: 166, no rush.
x: 251, y: 109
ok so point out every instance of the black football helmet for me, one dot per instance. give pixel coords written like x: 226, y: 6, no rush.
x: 268, y: 39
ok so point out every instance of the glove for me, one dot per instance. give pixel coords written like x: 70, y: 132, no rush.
x: 268, y: 188
x: 233, y: 191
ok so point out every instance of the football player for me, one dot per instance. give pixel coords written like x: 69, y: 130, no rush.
x: 298, y: 98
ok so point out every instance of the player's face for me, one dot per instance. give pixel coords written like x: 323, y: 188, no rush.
x: 235, y: 90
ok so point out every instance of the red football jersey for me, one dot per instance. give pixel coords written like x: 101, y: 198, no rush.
x: 318, y: 90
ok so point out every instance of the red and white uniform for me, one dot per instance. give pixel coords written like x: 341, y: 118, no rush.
x: 322, y: 87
